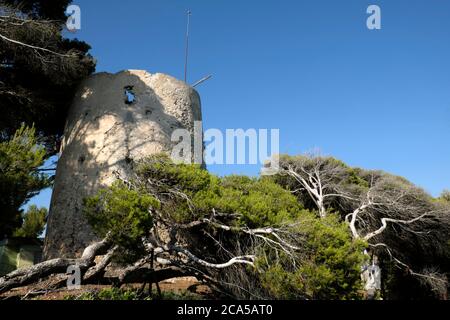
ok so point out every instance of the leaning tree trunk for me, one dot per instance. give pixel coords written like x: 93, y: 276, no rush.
x: 44, y: 269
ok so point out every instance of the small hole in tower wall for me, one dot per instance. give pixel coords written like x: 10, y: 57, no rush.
x: 130, y: 96
x: 128, y: 160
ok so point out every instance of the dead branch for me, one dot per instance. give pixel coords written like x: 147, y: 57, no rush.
x: 36, y: 48
x: 407, y: 267
x: 22, y: 277
x: 97, y: 270
x: 384, y: 222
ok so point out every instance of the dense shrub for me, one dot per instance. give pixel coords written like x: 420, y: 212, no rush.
x: 123, y: 213
x: 20, y: 157
x: 325, y: 264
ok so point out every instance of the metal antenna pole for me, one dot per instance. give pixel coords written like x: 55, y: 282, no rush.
x: 187, y: 45
x: 201, y: 81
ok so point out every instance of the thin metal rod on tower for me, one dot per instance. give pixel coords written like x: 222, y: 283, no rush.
x: 201, y: 81
x: 187, y: 45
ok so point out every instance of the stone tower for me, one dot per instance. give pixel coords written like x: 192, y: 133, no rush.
x: 114, y: 119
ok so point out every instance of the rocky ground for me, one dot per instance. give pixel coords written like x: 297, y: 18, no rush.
x: 40, y: 291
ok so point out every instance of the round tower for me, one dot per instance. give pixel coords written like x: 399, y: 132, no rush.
x: 114, y: 120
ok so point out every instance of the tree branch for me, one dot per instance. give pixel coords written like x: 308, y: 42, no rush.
x: 384, y: 222
x: 37, y: 48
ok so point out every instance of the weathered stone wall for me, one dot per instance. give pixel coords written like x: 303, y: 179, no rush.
x: 103, y: 133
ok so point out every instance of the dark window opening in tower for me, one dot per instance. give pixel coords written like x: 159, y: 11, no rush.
x: 130, y: 96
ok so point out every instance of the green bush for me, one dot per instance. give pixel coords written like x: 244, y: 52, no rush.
x: 260, y: 201
x: 20, y: 157
x: 33, y: 223
x: 123, y: 213
x: 329, y: 263
x: 326, y: 264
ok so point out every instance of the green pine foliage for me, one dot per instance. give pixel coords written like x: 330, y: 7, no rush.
x: 36, y: 89
x: 124, y: 213
x: 37, y: 86
x: 328, y: 261
x: 33, y: 223
x: 259, y: 201
x: 20, y: 158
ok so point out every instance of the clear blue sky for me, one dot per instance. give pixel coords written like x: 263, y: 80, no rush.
x: 374, y: 99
